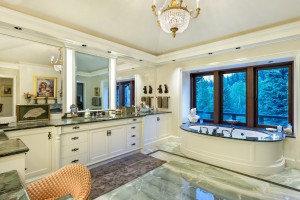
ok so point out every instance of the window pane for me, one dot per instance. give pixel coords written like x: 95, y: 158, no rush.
x: 273, y: 96
x: 205, y: 96
x: 234, y: 96
x: 117, y: 96
x: 127, y: 95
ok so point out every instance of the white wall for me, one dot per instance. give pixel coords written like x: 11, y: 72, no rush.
x: 90, y: 84
x: 176, y: 75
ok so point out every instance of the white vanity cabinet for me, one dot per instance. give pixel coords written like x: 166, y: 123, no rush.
x: 155, y: 128
x: 38, y: 160
x: 95, y: 142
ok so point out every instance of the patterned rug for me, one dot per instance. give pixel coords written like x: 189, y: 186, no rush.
x: 112, y: 175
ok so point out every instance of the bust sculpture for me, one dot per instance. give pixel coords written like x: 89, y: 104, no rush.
x: 193, y: 118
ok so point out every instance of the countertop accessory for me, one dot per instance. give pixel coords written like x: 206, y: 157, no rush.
x: 74, y: 110
x: 166, y: 88
x: 150, y: 89
x: 145, y: 89
x: 159, y: 89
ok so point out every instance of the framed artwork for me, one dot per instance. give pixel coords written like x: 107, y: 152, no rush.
x: 6, y: 91
x: 33, y: 112
x: 96, y: 91
x: 44, y: 86
x: 74, y: 110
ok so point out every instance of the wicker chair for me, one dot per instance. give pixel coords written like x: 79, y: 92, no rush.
x: 74, y: 179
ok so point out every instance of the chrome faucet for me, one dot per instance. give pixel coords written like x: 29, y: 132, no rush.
x: 231, y: 131
x: 206, y: 130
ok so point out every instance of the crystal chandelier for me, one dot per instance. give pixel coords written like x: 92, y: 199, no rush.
x: 174, y: 17
x: 57, y: 65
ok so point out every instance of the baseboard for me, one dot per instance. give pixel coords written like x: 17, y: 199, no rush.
x: 173, y: 138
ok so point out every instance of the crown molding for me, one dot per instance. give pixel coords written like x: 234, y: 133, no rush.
x: 74, y: 39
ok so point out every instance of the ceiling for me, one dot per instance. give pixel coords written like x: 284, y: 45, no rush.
x: 17, y: 50
x: 132, y: 23
x: 90, y: 63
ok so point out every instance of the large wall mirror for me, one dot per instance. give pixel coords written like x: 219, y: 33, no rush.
x: 25, y: 67
x: 91, y: 82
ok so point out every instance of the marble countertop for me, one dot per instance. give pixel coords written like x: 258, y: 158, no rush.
x: 72, y: 121
x: 11, y: 187
x: 11, y: 146
x: 273, y: 137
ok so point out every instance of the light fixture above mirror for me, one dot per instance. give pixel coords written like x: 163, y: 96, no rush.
x: 57, y: 64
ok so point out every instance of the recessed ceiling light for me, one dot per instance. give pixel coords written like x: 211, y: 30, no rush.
x: 133, y: 68
x: 173, y: 60
x: 108, y: 51
x: 141, y: 60
x: 18, y: 28
x: 210, y: 53
x: 84, y: 45
x: 238, y: 48
x: 271, y: 61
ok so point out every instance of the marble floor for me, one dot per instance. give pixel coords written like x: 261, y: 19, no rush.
x: 289, y: 176
x: 184, y: 179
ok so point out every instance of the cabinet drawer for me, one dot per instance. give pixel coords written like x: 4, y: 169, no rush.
x: 75, y: 149
x: 74, y: 138
x: 133, y: 120
x: 134, y: 144
x: 81, y: 159
x: 131, y: 136
x: 133, y: 128
x: 74, y: 128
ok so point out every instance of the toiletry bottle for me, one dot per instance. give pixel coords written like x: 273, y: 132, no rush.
x: 279, y: 128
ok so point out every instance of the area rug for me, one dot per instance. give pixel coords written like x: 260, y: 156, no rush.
x: 112, y: 175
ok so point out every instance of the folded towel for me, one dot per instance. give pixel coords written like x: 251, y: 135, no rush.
x: 165, y: 102
x: 148, y: 101
x: 159, y: 102
x: 96, y: 101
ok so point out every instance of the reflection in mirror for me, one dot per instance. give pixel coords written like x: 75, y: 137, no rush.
x: 26, y: 62
x: 91, y: 82
x: 6, y: 97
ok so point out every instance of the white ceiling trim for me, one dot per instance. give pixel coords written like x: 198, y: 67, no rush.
x: 75, y: 38
x: 91, y: 74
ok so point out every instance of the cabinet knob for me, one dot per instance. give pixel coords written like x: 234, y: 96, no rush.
x: 132, y: 135
x: 75, y: 149
x: 108, y: 132
x: 49, y: 136
x: 132, y: 144
x: 74, y: 161
x: 133, y: 127
x: 134, y: 120
x: 76, y: 127
x: 75, y: 138
x: 158, y: 119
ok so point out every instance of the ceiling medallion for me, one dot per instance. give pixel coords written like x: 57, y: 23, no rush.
x: 57, y: 65
x: 175, y: 16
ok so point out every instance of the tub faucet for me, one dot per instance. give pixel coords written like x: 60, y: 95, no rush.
x: 206, y: 129
x: 231, y: 132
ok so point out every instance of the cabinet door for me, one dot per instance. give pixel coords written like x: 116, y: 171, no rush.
x: 150, y: 129
x: 117, y: 141
x: 38, y: 158
x: 161, y: 126
x: 98, y: 145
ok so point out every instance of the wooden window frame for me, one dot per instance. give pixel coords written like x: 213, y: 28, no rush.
x: 251, y: 92
x: 122, y: 91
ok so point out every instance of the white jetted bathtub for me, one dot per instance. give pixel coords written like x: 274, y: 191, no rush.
x: 247, y: 151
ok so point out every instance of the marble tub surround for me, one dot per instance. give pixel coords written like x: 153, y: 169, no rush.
x: 11, y: 187
x: 272, y: 136
x: 183, y: 179
x: 119, y: 172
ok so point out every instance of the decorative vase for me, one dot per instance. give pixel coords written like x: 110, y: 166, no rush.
x: 28, y: 100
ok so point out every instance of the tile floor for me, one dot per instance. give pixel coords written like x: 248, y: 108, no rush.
x: 184, y: 179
